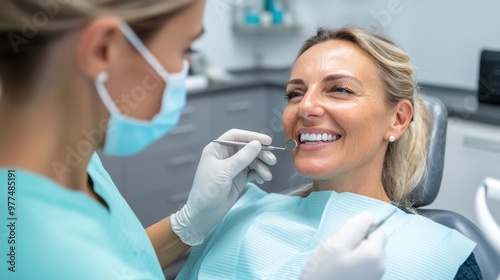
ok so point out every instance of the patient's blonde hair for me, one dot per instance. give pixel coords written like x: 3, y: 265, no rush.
x: 405, y: 159
x: 28, y: 26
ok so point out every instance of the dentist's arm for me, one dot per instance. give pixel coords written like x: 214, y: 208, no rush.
x: 168, y: 246
x: 347, y: 255
x: 222, y: 174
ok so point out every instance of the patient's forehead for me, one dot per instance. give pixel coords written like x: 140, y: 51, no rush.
x: 335, y: 57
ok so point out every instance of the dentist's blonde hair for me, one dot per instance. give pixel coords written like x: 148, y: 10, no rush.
x: 66, y: 14
x: 405, y: 159
x: 34, y: 24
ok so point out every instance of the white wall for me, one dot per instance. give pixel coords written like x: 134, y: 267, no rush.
x: 444, y: 38
x: 230, y: 50
x: 219, y: 44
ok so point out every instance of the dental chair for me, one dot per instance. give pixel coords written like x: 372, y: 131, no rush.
x: 427, y: 190
x: 487, y: 258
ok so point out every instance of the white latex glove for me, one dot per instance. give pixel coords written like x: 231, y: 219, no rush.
x: 222, y: 174
x: 347, y: 255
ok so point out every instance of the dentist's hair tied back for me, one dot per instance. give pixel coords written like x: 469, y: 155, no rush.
x: 29, y: 26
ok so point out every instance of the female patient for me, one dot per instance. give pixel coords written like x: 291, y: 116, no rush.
x: 363, y: 132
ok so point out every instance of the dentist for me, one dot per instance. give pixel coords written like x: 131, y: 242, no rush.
x: 82, y: 75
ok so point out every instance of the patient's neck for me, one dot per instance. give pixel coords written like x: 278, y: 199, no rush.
x: 370, y: 186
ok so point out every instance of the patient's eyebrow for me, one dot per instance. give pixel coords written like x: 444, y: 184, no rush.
x: 326, y: 79
x: 334, y: 77
x: 295, y: 82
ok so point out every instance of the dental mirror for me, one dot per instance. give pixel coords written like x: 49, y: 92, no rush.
x: 291, y: 145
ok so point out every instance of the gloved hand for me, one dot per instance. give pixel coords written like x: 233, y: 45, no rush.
x: 222, y: 174
x: 347, y: 255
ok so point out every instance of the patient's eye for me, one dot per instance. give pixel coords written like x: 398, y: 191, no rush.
x: 342, y: 90
x: 292, y: 94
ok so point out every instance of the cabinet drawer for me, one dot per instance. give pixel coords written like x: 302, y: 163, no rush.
x: 171, y: 170
x: 153, y: 207
x: 247, y: 110
x: 489, y: 144
x: 194, y: 126
x: 472, y: 154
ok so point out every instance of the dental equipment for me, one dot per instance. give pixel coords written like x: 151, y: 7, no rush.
x: 379, y: 223
x: 490, y: 188
x: 290, y: 146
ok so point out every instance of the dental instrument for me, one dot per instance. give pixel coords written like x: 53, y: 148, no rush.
x: 290, y: 146
x: 379, y: 223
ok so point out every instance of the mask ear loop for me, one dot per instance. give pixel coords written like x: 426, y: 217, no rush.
x: 143, y: 50
x: 103, y: 92
x: 150, y: 58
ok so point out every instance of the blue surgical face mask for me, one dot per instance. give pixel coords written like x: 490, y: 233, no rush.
x: 126, y: 135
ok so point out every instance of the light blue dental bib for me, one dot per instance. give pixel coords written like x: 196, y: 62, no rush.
x: 272, y: 236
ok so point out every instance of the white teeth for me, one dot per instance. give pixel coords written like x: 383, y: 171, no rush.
x: 317, y: 137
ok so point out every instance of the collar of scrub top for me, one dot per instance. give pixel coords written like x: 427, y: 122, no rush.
x: 490, y: 188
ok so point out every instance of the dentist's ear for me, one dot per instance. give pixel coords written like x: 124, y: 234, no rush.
x: 98, y: 44
x: 401, y: 119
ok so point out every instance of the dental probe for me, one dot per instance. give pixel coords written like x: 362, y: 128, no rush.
x: 290, y: 145
x: 379, y: 223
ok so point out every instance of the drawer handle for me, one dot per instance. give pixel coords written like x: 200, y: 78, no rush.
x: 182, y: 160
x: 189, y: 110
x: 183, y: 129
x: 482, y: 144
x: 238, y: 106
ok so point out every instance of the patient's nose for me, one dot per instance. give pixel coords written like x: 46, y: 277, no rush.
x: 310, y: 106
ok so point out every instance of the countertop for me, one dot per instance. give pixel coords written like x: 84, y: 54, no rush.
x: 459, y: 102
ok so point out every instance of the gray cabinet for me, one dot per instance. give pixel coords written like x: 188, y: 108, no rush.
x: 246, y: 109
x: 472, y: 153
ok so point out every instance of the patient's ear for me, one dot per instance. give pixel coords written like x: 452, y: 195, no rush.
x: 401, y: 118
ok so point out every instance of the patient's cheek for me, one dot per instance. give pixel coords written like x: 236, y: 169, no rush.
x: 288, y: 120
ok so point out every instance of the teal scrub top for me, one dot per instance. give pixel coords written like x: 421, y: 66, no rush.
x: 50, y: 232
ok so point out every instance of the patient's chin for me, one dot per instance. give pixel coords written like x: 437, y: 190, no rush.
x: 314, y: 166
x: 312, y: 171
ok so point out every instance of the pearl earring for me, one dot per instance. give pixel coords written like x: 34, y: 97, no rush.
x: 392, y: 138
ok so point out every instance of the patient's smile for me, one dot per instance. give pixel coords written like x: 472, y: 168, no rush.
x: 316, y: 141
x: 312, y: 138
